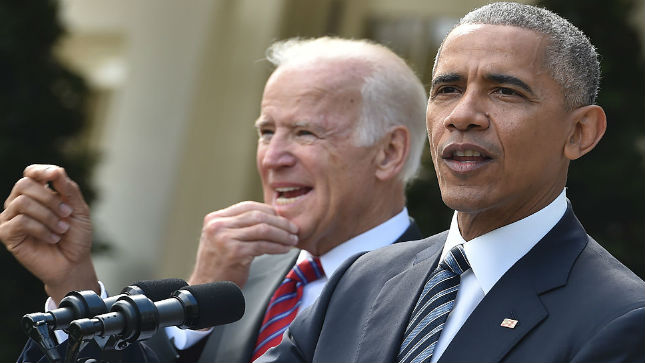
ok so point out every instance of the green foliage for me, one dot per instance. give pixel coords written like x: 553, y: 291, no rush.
x: 42, y: 112
x: 607, y: 186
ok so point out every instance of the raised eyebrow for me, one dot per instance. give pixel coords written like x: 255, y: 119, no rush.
x: 446, y: 78
x: 262, y: 122
x: 512, y: 80
x: 303, y: 124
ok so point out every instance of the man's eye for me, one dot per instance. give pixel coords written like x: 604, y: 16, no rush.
x: 304, y: 133
x: 447, y: 89
x: 507, y: 91
x: 265, y: 133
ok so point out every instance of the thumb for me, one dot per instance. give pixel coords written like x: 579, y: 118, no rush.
x: 64, y: 186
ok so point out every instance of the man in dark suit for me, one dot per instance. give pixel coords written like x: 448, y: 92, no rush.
x: 516, y: 278
x: 340, y: 134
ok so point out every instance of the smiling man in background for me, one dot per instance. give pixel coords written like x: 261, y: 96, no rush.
x: 341, y: 132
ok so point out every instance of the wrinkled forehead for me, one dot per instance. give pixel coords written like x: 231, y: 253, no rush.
x: 327, y: 93
x: 314, y: 87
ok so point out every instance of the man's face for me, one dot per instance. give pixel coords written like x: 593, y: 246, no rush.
x: 312, y: 173
x: 497, y: 126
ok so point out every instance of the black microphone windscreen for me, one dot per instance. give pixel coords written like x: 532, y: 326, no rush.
x: 157, y: 290
x: 219, y: 303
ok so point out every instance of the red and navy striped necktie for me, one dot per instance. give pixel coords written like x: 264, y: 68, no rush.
x: 284, y: 304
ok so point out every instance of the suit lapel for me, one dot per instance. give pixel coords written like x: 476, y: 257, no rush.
x: 482, y: 338
x: 401, y: 290
x: 517, y: 296
x: 383, y: 332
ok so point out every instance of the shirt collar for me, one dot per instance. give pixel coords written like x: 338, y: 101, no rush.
x: 492, y: 254
x: 380, y: 236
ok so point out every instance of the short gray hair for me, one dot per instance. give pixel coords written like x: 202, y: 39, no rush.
x: 570, y: 57
x: 391, y: 93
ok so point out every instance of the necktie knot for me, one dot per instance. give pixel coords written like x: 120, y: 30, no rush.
x: 306, y: 271
x: 455, y: 260
x: 285, y: 303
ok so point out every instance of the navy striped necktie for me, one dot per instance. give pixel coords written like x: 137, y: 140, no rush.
x: 433, y: 306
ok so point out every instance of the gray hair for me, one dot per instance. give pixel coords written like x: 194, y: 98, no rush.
x: 570, y: 57
x: 391, y: 93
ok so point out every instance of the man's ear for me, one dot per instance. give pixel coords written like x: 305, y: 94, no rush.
x: 393, y: 152
x: 589, y: 125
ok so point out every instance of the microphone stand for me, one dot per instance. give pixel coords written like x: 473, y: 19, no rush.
x: 38, y: 330
x: 39, y: 326
x: 73, y: 347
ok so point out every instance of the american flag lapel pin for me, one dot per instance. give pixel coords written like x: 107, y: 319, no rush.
x: 509, y: 323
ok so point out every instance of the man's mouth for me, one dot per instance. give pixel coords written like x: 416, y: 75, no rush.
x: 465, y: 158
x: 468, y: 155
x: 287, y: 195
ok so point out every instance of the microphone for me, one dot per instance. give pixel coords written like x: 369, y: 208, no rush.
x: 83, y: 304
x: 80, y: 304
x: 136, y: 317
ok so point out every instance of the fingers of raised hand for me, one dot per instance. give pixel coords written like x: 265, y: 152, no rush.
x: 240, y: 244
x: 43, y: 173
x: 251, y: 225
x: 48, y: 214
x: 40, y: 193
x: 33, y: 210
x: 258, y: 248
x: 247, y: 214
x: 266, y: 232
x: 66, y: 187
x: 22, y: 227
x: 242, y: 207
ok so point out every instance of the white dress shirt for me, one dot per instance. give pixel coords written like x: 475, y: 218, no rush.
x: 490, y: 256
x: 379, y: 236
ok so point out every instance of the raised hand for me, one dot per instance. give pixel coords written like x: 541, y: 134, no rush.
x: 46, y: 226
x: 233, y: 236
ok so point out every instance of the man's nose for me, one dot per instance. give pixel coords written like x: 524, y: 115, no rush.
x: 468, y: 114
x: 278, y: 152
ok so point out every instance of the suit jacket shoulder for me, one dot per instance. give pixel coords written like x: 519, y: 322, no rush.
x: 567, y: 289
x: 573, y: 302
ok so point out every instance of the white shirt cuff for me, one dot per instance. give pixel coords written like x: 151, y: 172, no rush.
x: 185, y: 338
x: 61, y: 336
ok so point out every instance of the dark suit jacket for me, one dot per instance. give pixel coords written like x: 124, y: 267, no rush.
x: 573, y: 300
x: 235, y: 342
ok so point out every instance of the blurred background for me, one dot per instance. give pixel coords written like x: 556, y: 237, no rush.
x: 150, y: 106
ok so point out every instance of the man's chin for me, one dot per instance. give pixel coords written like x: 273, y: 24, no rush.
x: 463, y: 202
